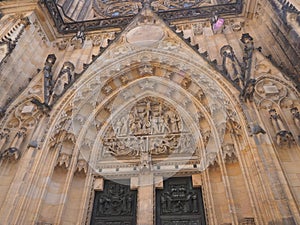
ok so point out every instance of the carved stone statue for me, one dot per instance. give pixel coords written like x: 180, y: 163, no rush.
x: 231, y: 65
x: 282, y: 134
x: 4, y: 135
x: 296, y: 116
x: 78, y: 39
x: 247, y: 40
x: 64, y: 78
x: 248, y: 90
x: 48, y: 82
x: 276, y: 121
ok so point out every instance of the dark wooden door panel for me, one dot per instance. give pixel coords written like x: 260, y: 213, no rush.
x: 115, y: 205
x: 179, y: 203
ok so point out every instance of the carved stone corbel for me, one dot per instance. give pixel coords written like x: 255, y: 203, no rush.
x: 212, y: 159
x: 82, y: 166
x: 13, y: 152
x: 228, y: 153
x: 63, y: 160
x: 256, y: 129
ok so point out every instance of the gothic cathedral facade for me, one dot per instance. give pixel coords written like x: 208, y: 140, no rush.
x: 149, y: 112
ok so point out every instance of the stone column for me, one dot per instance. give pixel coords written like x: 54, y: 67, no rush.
x: 145, y: 201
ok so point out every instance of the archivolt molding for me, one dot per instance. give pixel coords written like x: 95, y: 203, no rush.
x: 148, y: 69
x: 210, y: 98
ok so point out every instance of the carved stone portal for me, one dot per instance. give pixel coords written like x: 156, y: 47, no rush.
x: 151, y: 126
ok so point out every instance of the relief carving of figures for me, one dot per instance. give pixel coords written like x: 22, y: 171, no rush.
x: 14, y: 150
x: 282, y: 134
x: 179, y: 200
x: 148, y: 117
x: 151, y: 126
x: 117, y: 147
x: 166, y: 146
x: 115, y: 200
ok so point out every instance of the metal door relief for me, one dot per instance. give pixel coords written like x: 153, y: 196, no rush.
x: 179, y: 203
x: 115, y: 205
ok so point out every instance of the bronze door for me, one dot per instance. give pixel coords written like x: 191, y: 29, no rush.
x: 179, y: 203
x: 115, y: 205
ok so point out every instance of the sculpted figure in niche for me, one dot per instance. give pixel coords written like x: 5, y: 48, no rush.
x: 48, y: 82
x: 231, y: 65
x: 64, y: 78
x: 296, y: 116
x: 282, y: 135
x: 248, y: 90
x: 276, y: 120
